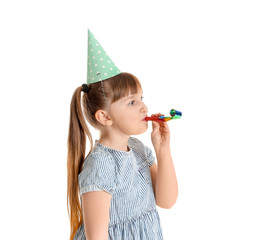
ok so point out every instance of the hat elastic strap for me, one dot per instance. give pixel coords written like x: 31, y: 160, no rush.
x: 103, y: 90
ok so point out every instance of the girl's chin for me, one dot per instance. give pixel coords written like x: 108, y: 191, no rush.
x: 146, y: 127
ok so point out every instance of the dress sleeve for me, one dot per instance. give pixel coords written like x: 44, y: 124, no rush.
x: 98, y: 174
x: 149, y: 155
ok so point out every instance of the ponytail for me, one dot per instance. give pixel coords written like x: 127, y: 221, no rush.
x: 78, y: 130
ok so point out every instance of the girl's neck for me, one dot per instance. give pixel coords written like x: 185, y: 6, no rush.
x: 121, y: 145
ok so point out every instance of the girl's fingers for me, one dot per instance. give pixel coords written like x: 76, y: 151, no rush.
x: 157, y: 114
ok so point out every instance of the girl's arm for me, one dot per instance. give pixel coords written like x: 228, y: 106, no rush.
x: 166, y: 186
x: 95, y: 210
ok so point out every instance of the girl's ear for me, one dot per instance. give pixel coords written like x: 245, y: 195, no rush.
x: 102, y: 117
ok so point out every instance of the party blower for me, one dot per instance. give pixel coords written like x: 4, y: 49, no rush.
x: 173, y: 113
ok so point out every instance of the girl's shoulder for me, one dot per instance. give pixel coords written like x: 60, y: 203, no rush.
x: 135, y: 142
x: 143, y: 152
x: 98, y: 154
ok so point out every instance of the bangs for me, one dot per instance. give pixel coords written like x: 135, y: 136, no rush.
x: 124, y: 84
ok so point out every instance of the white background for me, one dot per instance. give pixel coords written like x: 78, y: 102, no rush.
x: 198, y: 57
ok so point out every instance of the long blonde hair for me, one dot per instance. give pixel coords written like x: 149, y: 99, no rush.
x: 115, y: 88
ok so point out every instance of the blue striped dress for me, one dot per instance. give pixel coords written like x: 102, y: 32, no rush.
x: 125, y: 175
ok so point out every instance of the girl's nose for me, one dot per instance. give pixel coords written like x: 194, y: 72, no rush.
x: 144, y: 108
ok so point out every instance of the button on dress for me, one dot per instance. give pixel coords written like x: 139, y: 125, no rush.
x: 125, y: 175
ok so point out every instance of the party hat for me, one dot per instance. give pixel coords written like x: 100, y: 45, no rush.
x: 99, y: 64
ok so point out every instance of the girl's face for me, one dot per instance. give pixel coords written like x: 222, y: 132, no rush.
x: 128, y: 114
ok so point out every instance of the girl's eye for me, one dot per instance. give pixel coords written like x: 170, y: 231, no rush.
x: 131, y: 103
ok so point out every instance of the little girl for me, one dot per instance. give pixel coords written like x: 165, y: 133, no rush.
x: 114, y: 190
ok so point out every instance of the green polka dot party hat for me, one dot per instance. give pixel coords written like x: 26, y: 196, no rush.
x: 99, y: 64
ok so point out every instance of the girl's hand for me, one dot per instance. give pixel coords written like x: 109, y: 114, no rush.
x: 160, y: 135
